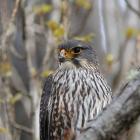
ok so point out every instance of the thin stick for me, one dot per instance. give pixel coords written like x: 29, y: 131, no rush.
x: 137, y: 12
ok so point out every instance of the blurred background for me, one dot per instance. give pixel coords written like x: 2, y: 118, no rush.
x: 30, y: 31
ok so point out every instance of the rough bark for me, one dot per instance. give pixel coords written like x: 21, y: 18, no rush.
x: 118, y: 116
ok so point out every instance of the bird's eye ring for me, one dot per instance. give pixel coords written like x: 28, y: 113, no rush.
x: 76, y: 50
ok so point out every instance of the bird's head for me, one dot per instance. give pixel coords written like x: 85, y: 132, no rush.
x: 75, y: 53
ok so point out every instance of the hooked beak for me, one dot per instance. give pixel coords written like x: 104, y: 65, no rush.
x: 61, y: 59
x: 65, y: 55
x: 62, y: 56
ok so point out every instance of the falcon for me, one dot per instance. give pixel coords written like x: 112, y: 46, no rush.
x: 74, y: 94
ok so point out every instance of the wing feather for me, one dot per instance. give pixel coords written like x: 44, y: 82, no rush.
x: 44, y: 108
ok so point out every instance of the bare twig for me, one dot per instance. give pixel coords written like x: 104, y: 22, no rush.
x: 9, y: 31
x: 22, y: 128
x: 15, y: 10
x: 118, y: 75
x: 66, y: 10
x: 82, y: 24
x: 137, y: 51
x: 137, y: 12
x: 51, y: 41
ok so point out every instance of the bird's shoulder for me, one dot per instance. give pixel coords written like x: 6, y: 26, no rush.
x: 47, y: 85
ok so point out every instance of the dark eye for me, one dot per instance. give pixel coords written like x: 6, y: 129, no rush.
x: 76, y: 50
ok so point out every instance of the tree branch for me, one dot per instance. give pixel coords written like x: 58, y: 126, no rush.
x: 118, y: 116
x: 21, y: 127
x: 132, y: 8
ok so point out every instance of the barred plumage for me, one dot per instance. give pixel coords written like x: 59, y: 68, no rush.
x: 77, y: 94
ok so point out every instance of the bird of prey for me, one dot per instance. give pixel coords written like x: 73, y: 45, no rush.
x: 74, y: 94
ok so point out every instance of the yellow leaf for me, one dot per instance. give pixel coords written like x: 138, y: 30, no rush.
x: 42, y: 9
x: 5, y: 68
x: 53, y: 25
x: 131, y: 32
x: 109, y: 59
x: 3, y: 130
x: 46, y: 73
x: 56, y: 28
x: 59, y: 32
x: 85, y: 38
x: 85, y: 4
x: 33, y: 72
x: 15, y: 98
x: 46, y: 8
